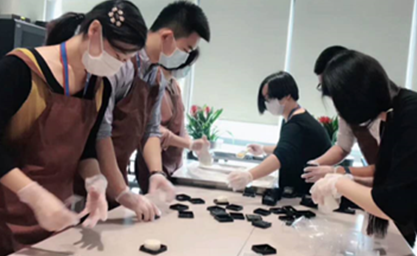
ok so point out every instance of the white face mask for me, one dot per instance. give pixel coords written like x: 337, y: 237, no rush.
x: 102, y: 65
x: 181, y: 73
x: 274, y: 107
x: 175, y: 60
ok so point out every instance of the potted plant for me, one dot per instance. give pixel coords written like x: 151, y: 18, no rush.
x: 201, y: 123
x: 331, y: 125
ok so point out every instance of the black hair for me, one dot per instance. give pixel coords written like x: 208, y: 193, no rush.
x: 359, y: 87
x: 361, y: 90
x: 280, y: 85
x: 133, y: 30
x: 183, y: 18
x: 325, y: 56
x: 192, y: 57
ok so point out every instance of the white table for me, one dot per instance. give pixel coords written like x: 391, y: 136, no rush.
x: 203, y: 236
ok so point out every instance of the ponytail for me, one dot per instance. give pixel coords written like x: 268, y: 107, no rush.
x: 63, y: 28
x: 127, y: 35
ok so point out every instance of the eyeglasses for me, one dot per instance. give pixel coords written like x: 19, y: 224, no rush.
x: 319, y: 87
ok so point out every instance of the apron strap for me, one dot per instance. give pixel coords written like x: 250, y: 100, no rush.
x: 173, y: 90
x: 30, y: 60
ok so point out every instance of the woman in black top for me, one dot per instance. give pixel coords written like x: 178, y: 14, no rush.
x: 362, y: 92
x: 301, y: 138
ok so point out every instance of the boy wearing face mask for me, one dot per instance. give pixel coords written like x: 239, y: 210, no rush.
x: 133, y: 117
x: 301, y: 139
x: 175, y: 137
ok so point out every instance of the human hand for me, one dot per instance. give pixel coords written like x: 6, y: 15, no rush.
x: 326, y: 187
x: 238, y: 180
x: 199, y: 144
x: 160, y: 182
x: 96, y: 205
x: 256, y: 149
x: 50, y: 212
x: 314, y: 173
x: 143, y: 208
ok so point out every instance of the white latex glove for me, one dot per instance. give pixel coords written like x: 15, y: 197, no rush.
x: 144, y: 209
x: 96, y: 204
x: 204, y: 155
x: 50, y: 212
x: 238, y: 180
x: 326, y: 187
x: 159, y: 182
x: 197, y: 145
x: 314, y: 173
x: 256, y: 149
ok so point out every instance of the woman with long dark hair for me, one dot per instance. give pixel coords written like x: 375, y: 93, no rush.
x: 52, y: 100
x: 362, y: 92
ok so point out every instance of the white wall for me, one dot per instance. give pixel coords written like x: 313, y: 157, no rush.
x: 380, y: 28
x: 33, y: 9
x: 149, y: 8
x: 248, y: 43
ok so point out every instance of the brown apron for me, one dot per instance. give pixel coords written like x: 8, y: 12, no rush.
x: 49, y: 153
x: 130, y: 118
x: 367, y: 143
x: 172, y: 118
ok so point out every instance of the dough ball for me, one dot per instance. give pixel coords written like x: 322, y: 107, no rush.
x: 241, y: 155
x: 153, y: 244
x: 222, y: 199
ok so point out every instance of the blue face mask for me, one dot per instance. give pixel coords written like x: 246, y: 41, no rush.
x: 181, y: 73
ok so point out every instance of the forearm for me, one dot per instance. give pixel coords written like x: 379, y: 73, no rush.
x: 269, y: 165
x: 180, y: 142
x: 367, y: 171
x: 332, y: 156
x: 15, y: 180
x: 366, y: 181
x: 269, y: 149
x: 109, y: 167
x: 360, y: 195
x: 152, y: 154
x: 88, y: 168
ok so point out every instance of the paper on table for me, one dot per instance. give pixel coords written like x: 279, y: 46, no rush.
x: 219, y: 172
x: 330, y: 204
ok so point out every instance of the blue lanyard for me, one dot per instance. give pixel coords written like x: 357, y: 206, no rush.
x: 64, y: 61
x: 292, y: 111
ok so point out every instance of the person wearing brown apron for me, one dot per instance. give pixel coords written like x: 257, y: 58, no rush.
x: 361, y: 92
x: 366, y: 135
x: 170, y: 40
x: 174, y: 137
x: 50, y: 112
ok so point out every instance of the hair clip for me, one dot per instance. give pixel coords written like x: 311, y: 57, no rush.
x: 116, y: 16
x: 80, y: 16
